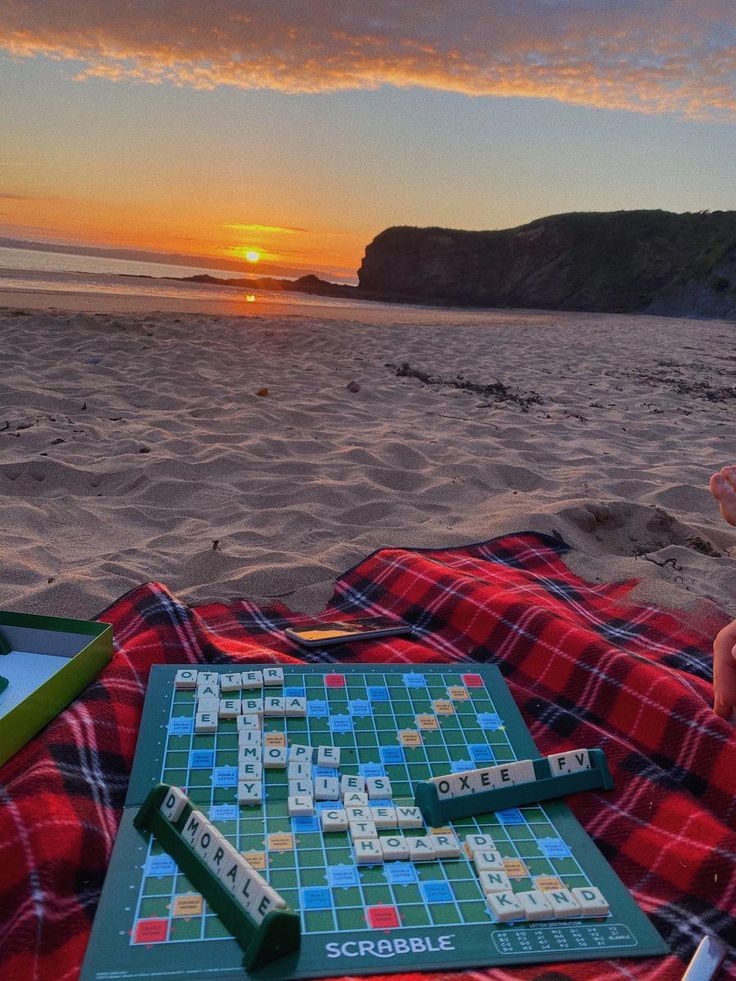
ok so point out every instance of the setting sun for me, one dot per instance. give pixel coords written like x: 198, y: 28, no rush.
x: 252, y: 256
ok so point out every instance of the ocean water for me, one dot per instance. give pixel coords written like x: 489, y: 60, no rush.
x: 47, y: 280
x: 39, y: 261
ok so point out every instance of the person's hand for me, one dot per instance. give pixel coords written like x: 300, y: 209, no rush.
x: 724, y: 671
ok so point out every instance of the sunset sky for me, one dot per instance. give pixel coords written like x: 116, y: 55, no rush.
x: 301, y: 130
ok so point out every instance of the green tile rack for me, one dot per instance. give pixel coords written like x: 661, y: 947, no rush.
x: 278, y: 934
x: 437, y: 811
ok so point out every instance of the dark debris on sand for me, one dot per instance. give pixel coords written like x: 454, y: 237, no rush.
x: 681, y: 385
x: 494, y: 393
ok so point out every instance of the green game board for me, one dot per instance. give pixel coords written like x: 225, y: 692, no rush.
x: 362, y: 919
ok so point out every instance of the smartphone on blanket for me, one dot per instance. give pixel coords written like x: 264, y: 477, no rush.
x: 327, y: 633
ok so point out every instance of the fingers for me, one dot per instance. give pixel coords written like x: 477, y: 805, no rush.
x: 725, y: 640
x: 724, y: 671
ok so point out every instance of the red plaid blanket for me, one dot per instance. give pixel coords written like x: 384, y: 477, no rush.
x: 585, y: 668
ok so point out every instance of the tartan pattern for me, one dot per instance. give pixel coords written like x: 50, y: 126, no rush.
x: 585, y: 667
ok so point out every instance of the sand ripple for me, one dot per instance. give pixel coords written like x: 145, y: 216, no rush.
x: 130, y: 446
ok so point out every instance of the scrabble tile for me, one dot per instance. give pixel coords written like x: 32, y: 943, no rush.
x: 504, y: 907
x: 300, y: 806
x: 523, y: 771
x: 351, y: 784
x: 261, y: 898
x: 563, y: 903
x: 295, y: 707
x: 250, y: 771
x: 205, y: 722
x: 252, y: 679
x: 248, y: 723
x: 206, y: 841
x: 299, y: 770
x: 217, y: 854
x: 173, y: 804
x: 409, y: 817
x: 362, y: 829
x: 591, y: 900
x: 363, y: 813
x: 378, y: 788
x: 488, y: 861
x: 208, y: 691
x: 421, y: 848
x: 249, y: 887
x: 300, y: 788
x: 502, y: 775
x: 208, y: 678
x: 384, y: 817
x: 445, y: 787
x: 368, y: 851
x: 355, y: 799
x: 250, y: 737
x: 336, y: 820
x: 232, y: 869
x: 535, y: 905
x: 250, y: 792
x: 250, y: 756
x: 210, y: 704
x: 479, y: 843
x: 462, y: 784
x: 185, y: 679
x: 300, y: 754
x: 328, y: 756
x: 193, y: 827
x: 273, y: 705
x: 445, y: 846
x: 232, y: 681
x: 250, y: 753
x: 268, y: 900
x: 273, y: 676
x: 326, y: 788
x: 494, y: 882
x: 229, y: 708
x: 251, y: 706
x: 483, y: 779
x: 394, y: 848
x: 570, y: 762
x: 274, y: 757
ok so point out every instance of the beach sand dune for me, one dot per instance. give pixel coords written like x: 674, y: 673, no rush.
x: 137, y: 447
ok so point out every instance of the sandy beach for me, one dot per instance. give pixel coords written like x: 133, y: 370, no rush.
x: 136, y: 447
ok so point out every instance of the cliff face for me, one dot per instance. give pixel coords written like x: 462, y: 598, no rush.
x: 624, y: 261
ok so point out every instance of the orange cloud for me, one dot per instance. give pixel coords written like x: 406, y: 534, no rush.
x: 659, y: 56
x: 269, y: 229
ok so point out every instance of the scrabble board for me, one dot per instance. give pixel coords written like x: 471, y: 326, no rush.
x: 404, y: 722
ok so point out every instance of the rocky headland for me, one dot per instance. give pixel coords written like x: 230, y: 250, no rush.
x: 615, y: 262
